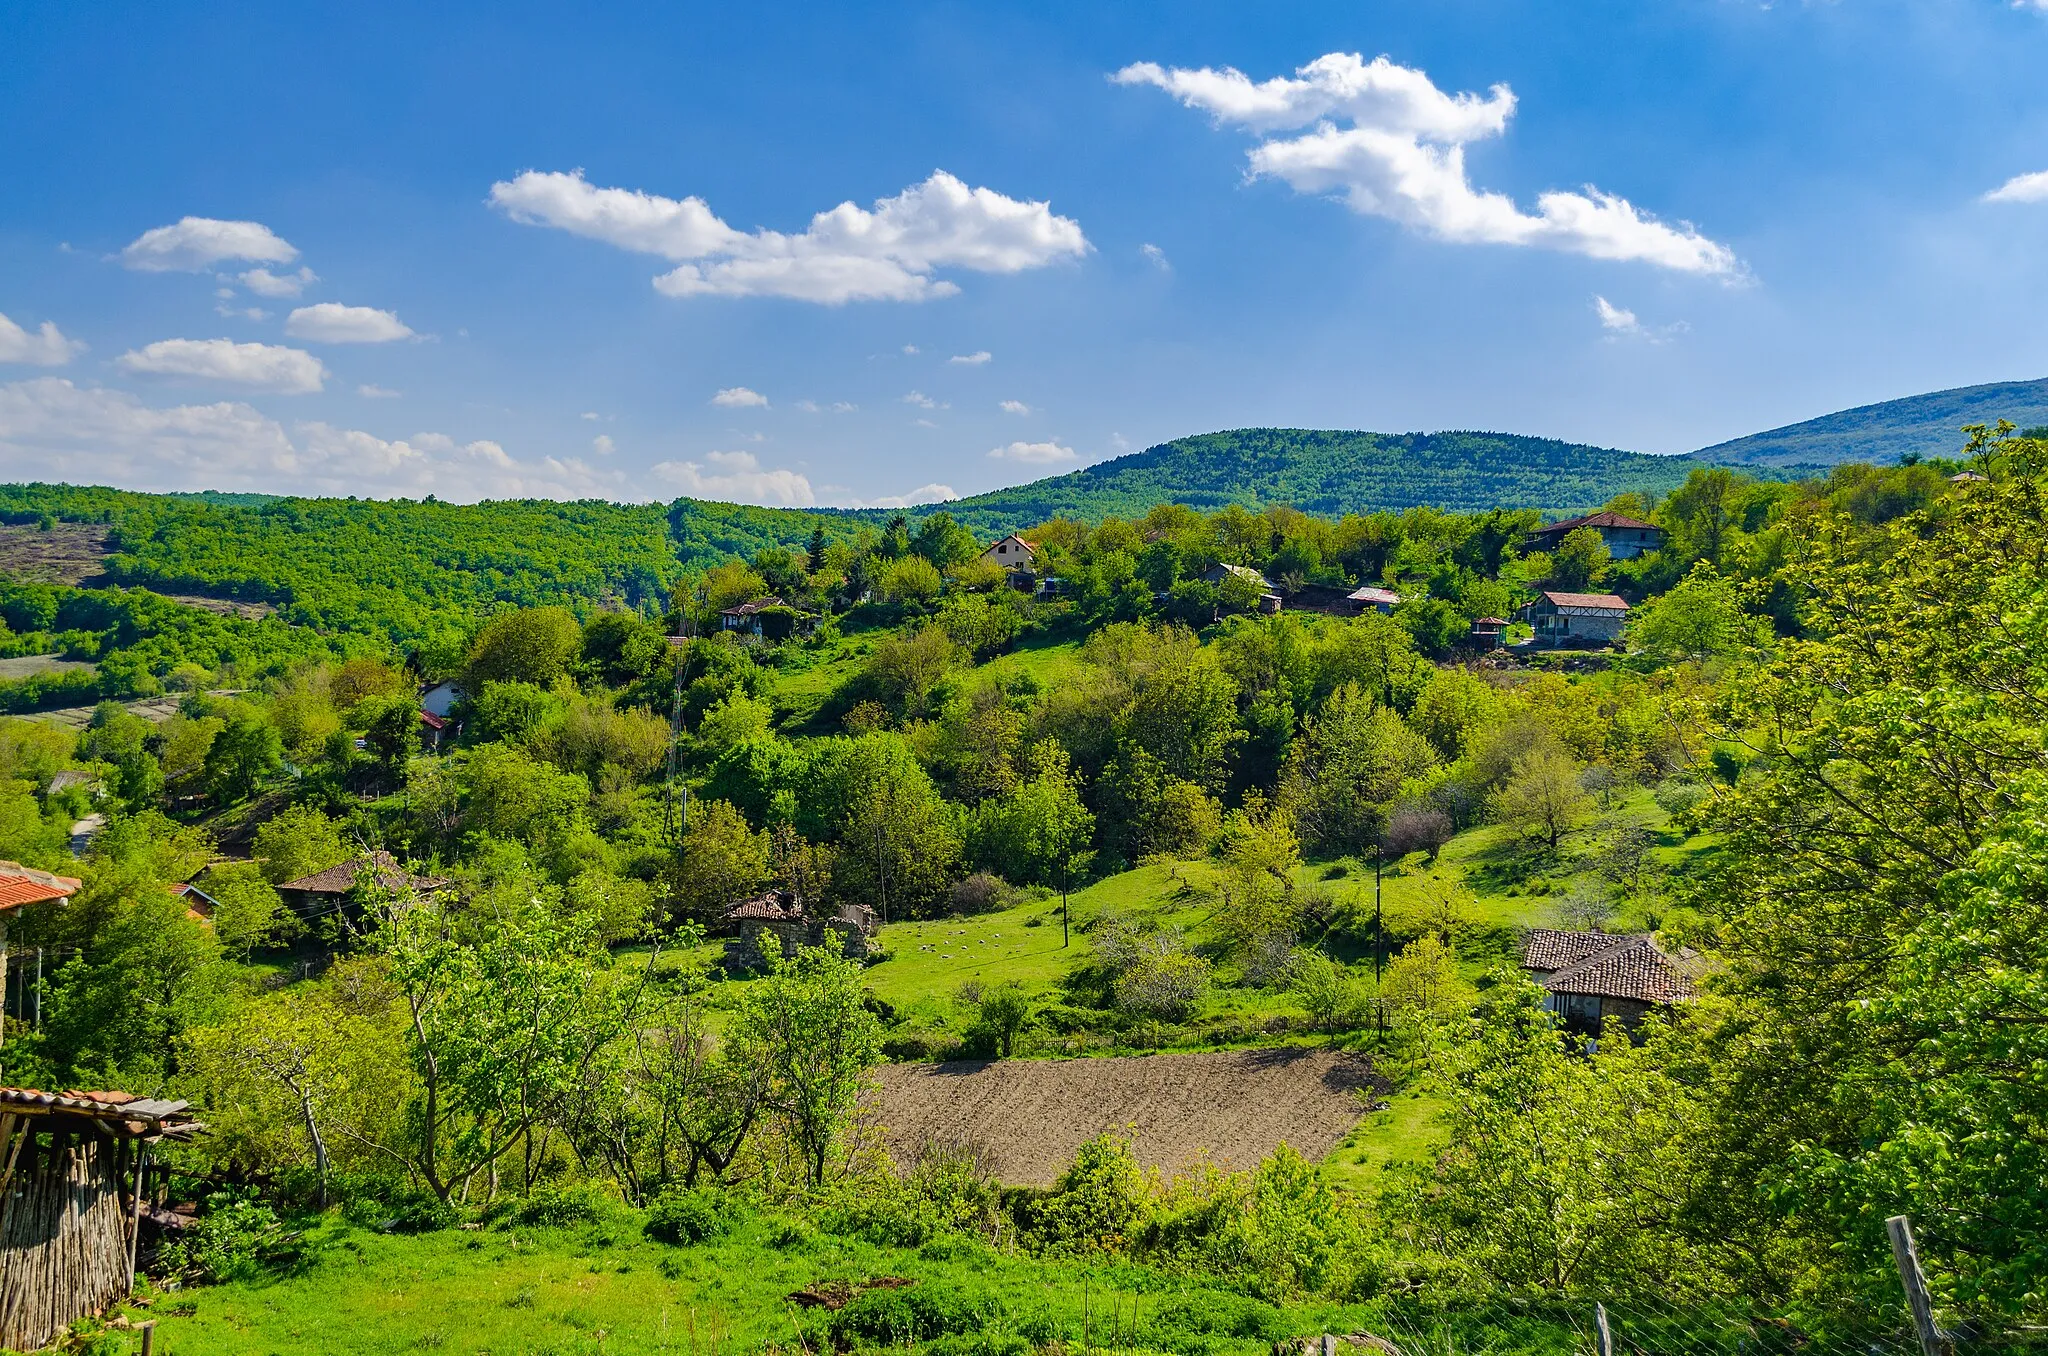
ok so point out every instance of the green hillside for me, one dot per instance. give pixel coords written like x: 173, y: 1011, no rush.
x: 1335, y: 472
x: 1927, y: 425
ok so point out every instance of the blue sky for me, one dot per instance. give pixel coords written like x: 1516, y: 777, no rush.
x: 406, y: 269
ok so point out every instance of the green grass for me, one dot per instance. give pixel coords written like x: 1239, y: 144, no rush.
x: 604, y: 1288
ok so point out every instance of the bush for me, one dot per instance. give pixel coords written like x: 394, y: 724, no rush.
x: 391, y: 1205
x: 983, y: 893
x: 682, y: 1217
x: 1675, y: 797
x: 1099, y: 1204
x: 236, y: 1237
x: 555, y: 1206
x: 899, y: 1316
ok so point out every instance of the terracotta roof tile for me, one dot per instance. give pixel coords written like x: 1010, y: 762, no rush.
x: 1605, y: 602
x: 1549, y: 949
x: 21, y: 885
x: 1632, y: 967
x: 1604, y: 518
x: 339, y: 880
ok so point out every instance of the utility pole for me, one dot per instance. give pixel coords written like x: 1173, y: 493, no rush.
x: 1379, y: 936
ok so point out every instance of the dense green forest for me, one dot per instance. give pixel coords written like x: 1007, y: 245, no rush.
x: 1813, y: 767
x: 1336, y: 473
x: 1889, y: 431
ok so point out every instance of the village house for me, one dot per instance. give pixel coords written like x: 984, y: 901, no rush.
x: 1576, y: 619
x: 1626, y: 537
x: 1374, y: 598
x: 765, y: 619
x: 1488, y: 633
x: 783, y: 914
x: 1012, y: 553
x: 72, y: 1213
x: 1269, y: 593
x: 440, y: 699
x: 324, y: 892
x: 1591, y: 979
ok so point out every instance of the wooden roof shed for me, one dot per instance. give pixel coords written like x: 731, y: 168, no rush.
x: 70, y: 1202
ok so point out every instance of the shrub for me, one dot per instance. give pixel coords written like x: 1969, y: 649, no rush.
x: 1098, y: 1204
x: 681, y: 1217
x: 555, y: 1206
x: 391, y: 1205
x: 1675, y: 797
x: 983, y: 893
x: 899, y: 1316
x: 237, y: 1236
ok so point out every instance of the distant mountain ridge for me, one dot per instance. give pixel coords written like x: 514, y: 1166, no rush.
x: 1927, y: 425
x: 1334, y: 472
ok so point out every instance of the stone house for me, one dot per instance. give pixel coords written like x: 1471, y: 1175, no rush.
x: 782, y: 913
x: 765, y: 619
x: 1576, y: 619
x: 1591, y: 979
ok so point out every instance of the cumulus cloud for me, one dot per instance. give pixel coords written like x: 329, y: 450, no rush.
x: 850, y: 253
x: 923, y: 494
x: 264, y: 283
x: 1013, y: 407
x: 330, y: 322
x: 53, y: 429
x: 592, y: 415
x: 372, y: 391
x: 2021, y: 187
x: 975, y: 359
x: 603, y: 445
x: 1393, y: 145
x: 739, y: 398
x: 925, y: 402
x: 269, y: 367
x: 1037, y: 454
x: 46, y: 347
x: 737, y: 477
x: 910, y: 350
x: 201, y: 242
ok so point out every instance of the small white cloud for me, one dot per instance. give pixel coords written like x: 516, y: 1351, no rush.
x: 844, y: 407
x: 910, y: 350
x: 1621, y: 323
x: 1037, y: 454
x: 739, y: 397
x: 976, y: 359
x: 1153, y: 254
x: 47, y: 347
x: 242, y: 312
x: 850, y: 253
x: 264, y: 283
x: 200, y: 242
x: 1393, y: 145
x: 1013, y: 407
x: 269, y: 367
x: 923, y: 423
x: 1119, y: 442
x: 2022, y: 187
x: 371, y: 391
x: 923, y: 494
x: 737, y: 477
x: 592, y: 415
x: 603, y: 445
x: 330, y: 322
x: 925, y: 402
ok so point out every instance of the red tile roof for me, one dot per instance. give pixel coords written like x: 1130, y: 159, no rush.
x: 1373, y: 593
x: 1615, y: 967
x: 21, y: 885
x: 1604, y: 518
x: 1549, y: 949
x: 142, y: 1116
x: 776, y: 906
x: 1604, y: 602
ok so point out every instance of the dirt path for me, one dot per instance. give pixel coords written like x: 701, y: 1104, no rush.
x: 1234, y: 1107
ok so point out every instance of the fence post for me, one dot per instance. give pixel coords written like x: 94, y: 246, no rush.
x: 1907, y: 1259
x: 1606, y: 1337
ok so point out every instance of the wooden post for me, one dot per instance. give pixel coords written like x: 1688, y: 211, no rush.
x: 1329, y: 1344
x: 1606, y: 1337
x: 1907, y: 1258
x: 149, y: 1337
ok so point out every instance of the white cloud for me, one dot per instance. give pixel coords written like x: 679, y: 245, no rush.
x: 330, y: 322
x: 1013, y: 407
x: 836, y: 407
x: 1621, y: 323
x: 603, y: 445
x: 737, y: 477
x: 1037, y: 454
x: 1119, y: 442
x: 923, y: 494
x: 200, y: 242
x: 1154, y: 254
x: 264, y: 283
x: 372, y: 391
x: 241, y: 312
x: 592, y: 415
x: 2022, y: 187
x: 52, y: 429
x: 1400, y: 154
x: 925, y: 402
x: 847, y: 254
x: 910, y: 350
x: 739, y: 397
x: 976, y: 359
x: 270, y: 367
x: 47, y: 347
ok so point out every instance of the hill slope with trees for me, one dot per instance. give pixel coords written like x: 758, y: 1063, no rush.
x: 1922, y: 426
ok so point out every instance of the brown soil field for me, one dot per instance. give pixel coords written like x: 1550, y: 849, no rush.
x: 68, y: 553
x: 1231, y: 1107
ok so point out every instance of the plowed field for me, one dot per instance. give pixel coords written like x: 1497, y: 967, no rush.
x: 1232, y: 1107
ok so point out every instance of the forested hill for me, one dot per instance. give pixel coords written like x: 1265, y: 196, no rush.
x: 1924, y: 425
x: 1334, y: 472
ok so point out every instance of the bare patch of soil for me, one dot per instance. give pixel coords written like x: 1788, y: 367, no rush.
x: 68, y: 553
x: 1231, y: 1107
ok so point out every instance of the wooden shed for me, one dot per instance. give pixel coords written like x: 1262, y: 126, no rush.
x: 71, y: 1167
